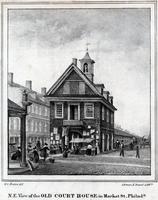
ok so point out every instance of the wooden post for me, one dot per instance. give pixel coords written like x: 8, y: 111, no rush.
x: 112, y: 140
x: 107, y: 142
x: 23, y: 140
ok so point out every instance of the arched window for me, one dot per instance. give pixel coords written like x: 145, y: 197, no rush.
x: 85, y: 67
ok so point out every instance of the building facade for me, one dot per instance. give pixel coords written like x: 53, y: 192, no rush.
x: 37, y: 119
x: 81, y: 110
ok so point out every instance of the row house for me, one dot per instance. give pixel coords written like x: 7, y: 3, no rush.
x: 37, y: 119
x: 81, y: 110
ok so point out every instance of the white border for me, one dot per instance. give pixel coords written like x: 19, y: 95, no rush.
x: 5, y: 176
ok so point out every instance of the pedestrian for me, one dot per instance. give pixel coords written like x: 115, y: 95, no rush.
x: 95, y: 150
x: 137, y: 152
x: 44, y: 151
x: 29, y: 148
x: 131, y: 146
x: 38, y: 145
x: 122, y: 149
x: 89, y: 149
x: 18, y: 153
x: 77, y: 150
x: 65, y: 152
x: 35, y: 155
x: 117, y: 144
x: 60, y: 148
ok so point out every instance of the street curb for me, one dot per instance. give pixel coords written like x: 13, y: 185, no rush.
x: 16, y: 171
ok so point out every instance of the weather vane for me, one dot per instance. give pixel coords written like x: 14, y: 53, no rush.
x: 87, y: 44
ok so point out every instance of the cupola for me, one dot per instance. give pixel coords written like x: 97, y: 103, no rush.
x: 87, y: 66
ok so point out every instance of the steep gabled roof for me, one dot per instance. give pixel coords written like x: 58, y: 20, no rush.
x: 66, y: 74
x: 91, y: 85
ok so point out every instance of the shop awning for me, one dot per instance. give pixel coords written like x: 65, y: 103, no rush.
x: 81, y: 140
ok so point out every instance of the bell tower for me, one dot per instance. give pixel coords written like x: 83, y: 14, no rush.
x: 87, y: 66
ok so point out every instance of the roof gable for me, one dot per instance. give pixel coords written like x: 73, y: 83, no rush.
x: 73, y: 76
x: 72, y: 73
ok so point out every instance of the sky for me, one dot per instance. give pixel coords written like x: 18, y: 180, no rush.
x: 43, y: 42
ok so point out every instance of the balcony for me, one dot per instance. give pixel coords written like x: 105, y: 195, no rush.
x: 72, y: 123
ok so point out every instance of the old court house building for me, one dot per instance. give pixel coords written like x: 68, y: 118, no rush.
x: 80, y: 109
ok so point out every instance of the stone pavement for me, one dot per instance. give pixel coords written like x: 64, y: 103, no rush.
x: 101, y: 163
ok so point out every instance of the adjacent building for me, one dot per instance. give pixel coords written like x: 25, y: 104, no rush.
x: 81, y: 110
x: 37, y: 119
x: 125, y: 136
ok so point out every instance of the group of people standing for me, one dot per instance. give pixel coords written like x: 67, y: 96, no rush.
x: 122, y: 148
x: 91, y: 150
x: 37, y: 151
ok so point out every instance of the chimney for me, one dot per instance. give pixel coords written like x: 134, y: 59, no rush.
x: 106, y: 95
x: 28, y: 84
x: 111, y: 99
x: 43, y: 90
x: 10, y: 77
x: 74, y: 61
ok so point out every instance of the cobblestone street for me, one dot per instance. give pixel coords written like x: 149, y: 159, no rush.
x: 103, y: 164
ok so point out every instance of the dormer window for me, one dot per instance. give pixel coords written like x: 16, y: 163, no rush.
x: 85, y: 67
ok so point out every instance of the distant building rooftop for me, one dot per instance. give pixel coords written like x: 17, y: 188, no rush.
x: 14, y: 109
x: 124, y: 133
x: 32, y: 95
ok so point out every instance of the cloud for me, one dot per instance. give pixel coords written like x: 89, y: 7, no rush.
x: 56, y: 27
x: 44, y: 41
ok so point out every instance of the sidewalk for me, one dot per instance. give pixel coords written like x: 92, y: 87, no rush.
x: 15, y: 168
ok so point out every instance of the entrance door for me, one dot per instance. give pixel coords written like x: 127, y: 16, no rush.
x: 74, y: 135
x: 74, y: 112
x: 105, y: 143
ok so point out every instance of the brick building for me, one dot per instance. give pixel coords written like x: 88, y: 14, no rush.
x: 81, y: 110
x: 37, y: 119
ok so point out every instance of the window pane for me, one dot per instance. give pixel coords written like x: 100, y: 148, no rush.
x: 59, y: 110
